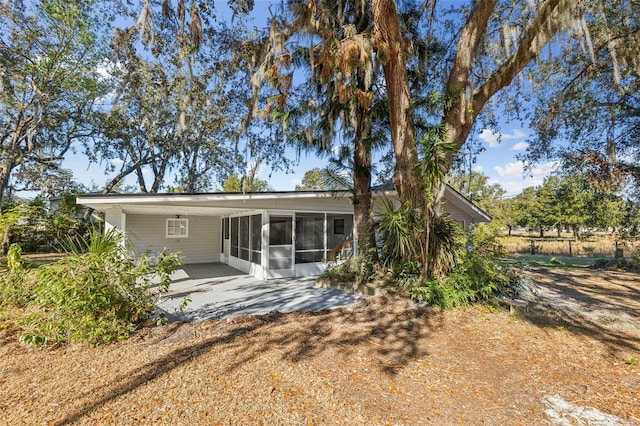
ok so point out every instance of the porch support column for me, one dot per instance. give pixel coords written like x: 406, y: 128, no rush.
x: 325, y: 229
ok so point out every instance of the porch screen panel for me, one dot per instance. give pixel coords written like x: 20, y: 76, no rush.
x: 310, y: 237
x: 280, y: 242
x: 234, y: 236
x: 256, y: 238
x: 340, y: 236
x: 244, y: 238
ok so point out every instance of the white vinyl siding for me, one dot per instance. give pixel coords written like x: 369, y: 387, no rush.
x: 457, y: 214
x: 148, y: 235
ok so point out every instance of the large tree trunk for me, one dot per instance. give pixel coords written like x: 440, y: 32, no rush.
x: 362, y: 198
x: 362, y: 202
x: 5, y: 174
x: 407, y: 176
x: 403, y: 134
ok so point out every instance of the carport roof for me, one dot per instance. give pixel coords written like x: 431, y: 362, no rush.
x: 224, y: 203
x: 213, y: 203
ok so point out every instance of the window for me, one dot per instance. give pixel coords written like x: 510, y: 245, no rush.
x: 339, y: 236
x: 177, y: 228
x: 280, y: 228
x: 256, y: 238
x: 234, y: 236
x: 244, y: 238
x: 309, y: 237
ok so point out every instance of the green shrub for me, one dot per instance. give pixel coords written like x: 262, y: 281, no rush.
x: 407, y: 275
x: 446, y: 245
x: 17, y: 284
x: 398, y: 230
x: 476, y: 279
x: 632, y: 264
x: 98, y: 296
x: 635, y: 259
x: 476, y: 276
x: 96, y: 242
x: 16, y: 288
x: 345, y: 271
x: 14, y: 257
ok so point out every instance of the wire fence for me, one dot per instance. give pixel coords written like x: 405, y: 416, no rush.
x: 600, y: 247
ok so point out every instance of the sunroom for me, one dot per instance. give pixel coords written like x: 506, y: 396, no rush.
x: 295, y: 243
x: 266, y: 235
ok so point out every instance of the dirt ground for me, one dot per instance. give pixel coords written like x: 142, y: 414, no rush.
x: 568, y: 360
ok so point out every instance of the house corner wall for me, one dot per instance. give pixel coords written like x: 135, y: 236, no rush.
x: 114, y: 218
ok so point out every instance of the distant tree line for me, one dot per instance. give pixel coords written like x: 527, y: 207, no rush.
x: 570, y: 204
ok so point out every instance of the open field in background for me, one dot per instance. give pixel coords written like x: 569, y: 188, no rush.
x: 599, y: 245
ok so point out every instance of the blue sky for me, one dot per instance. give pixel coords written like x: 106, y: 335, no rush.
x: 499, y: 161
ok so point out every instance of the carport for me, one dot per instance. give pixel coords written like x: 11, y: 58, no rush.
x: 219, y: 291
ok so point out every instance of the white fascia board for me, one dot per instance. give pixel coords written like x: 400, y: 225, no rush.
x: 453, y: 197
x: 456, y: 198
x: 163, y: 198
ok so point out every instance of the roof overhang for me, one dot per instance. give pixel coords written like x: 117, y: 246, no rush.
x: 229, y: 203
x: 454, y: 197
x: 465, y: 204
x: 202, y: 204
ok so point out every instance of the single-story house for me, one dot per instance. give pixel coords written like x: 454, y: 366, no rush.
x: 266, y: 234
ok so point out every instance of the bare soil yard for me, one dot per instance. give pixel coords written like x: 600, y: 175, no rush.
x: 569, y: 360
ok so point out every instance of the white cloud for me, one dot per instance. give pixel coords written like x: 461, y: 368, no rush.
x: 478, y: 168
x: 493, y: 139
x: 514, y: 179
x: 510, y: 170
x: 296, y: 181
x: 117, y: 162
x: 520, y: 146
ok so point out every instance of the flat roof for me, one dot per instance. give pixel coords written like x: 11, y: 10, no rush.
x: 202, y: 199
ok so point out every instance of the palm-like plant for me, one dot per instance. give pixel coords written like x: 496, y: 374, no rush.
x: 96, y: 242
x: 446, y: 244
x: 398, y: 229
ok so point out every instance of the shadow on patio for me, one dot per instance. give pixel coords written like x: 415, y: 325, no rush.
x: 219, y: 291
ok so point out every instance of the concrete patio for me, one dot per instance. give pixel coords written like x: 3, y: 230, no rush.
x: 219, y: 291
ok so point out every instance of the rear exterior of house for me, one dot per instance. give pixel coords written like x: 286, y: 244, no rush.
x: 267, y: 235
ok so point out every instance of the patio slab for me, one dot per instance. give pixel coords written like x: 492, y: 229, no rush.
x: 219, y: 291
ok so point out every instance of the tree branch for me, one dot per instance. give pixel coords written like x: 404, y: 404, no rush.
x: 537, y: 35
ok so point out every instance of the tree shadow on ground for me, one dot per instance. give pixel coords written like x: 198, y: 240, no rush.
x: 393, y: 334
x: 603, y: 305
